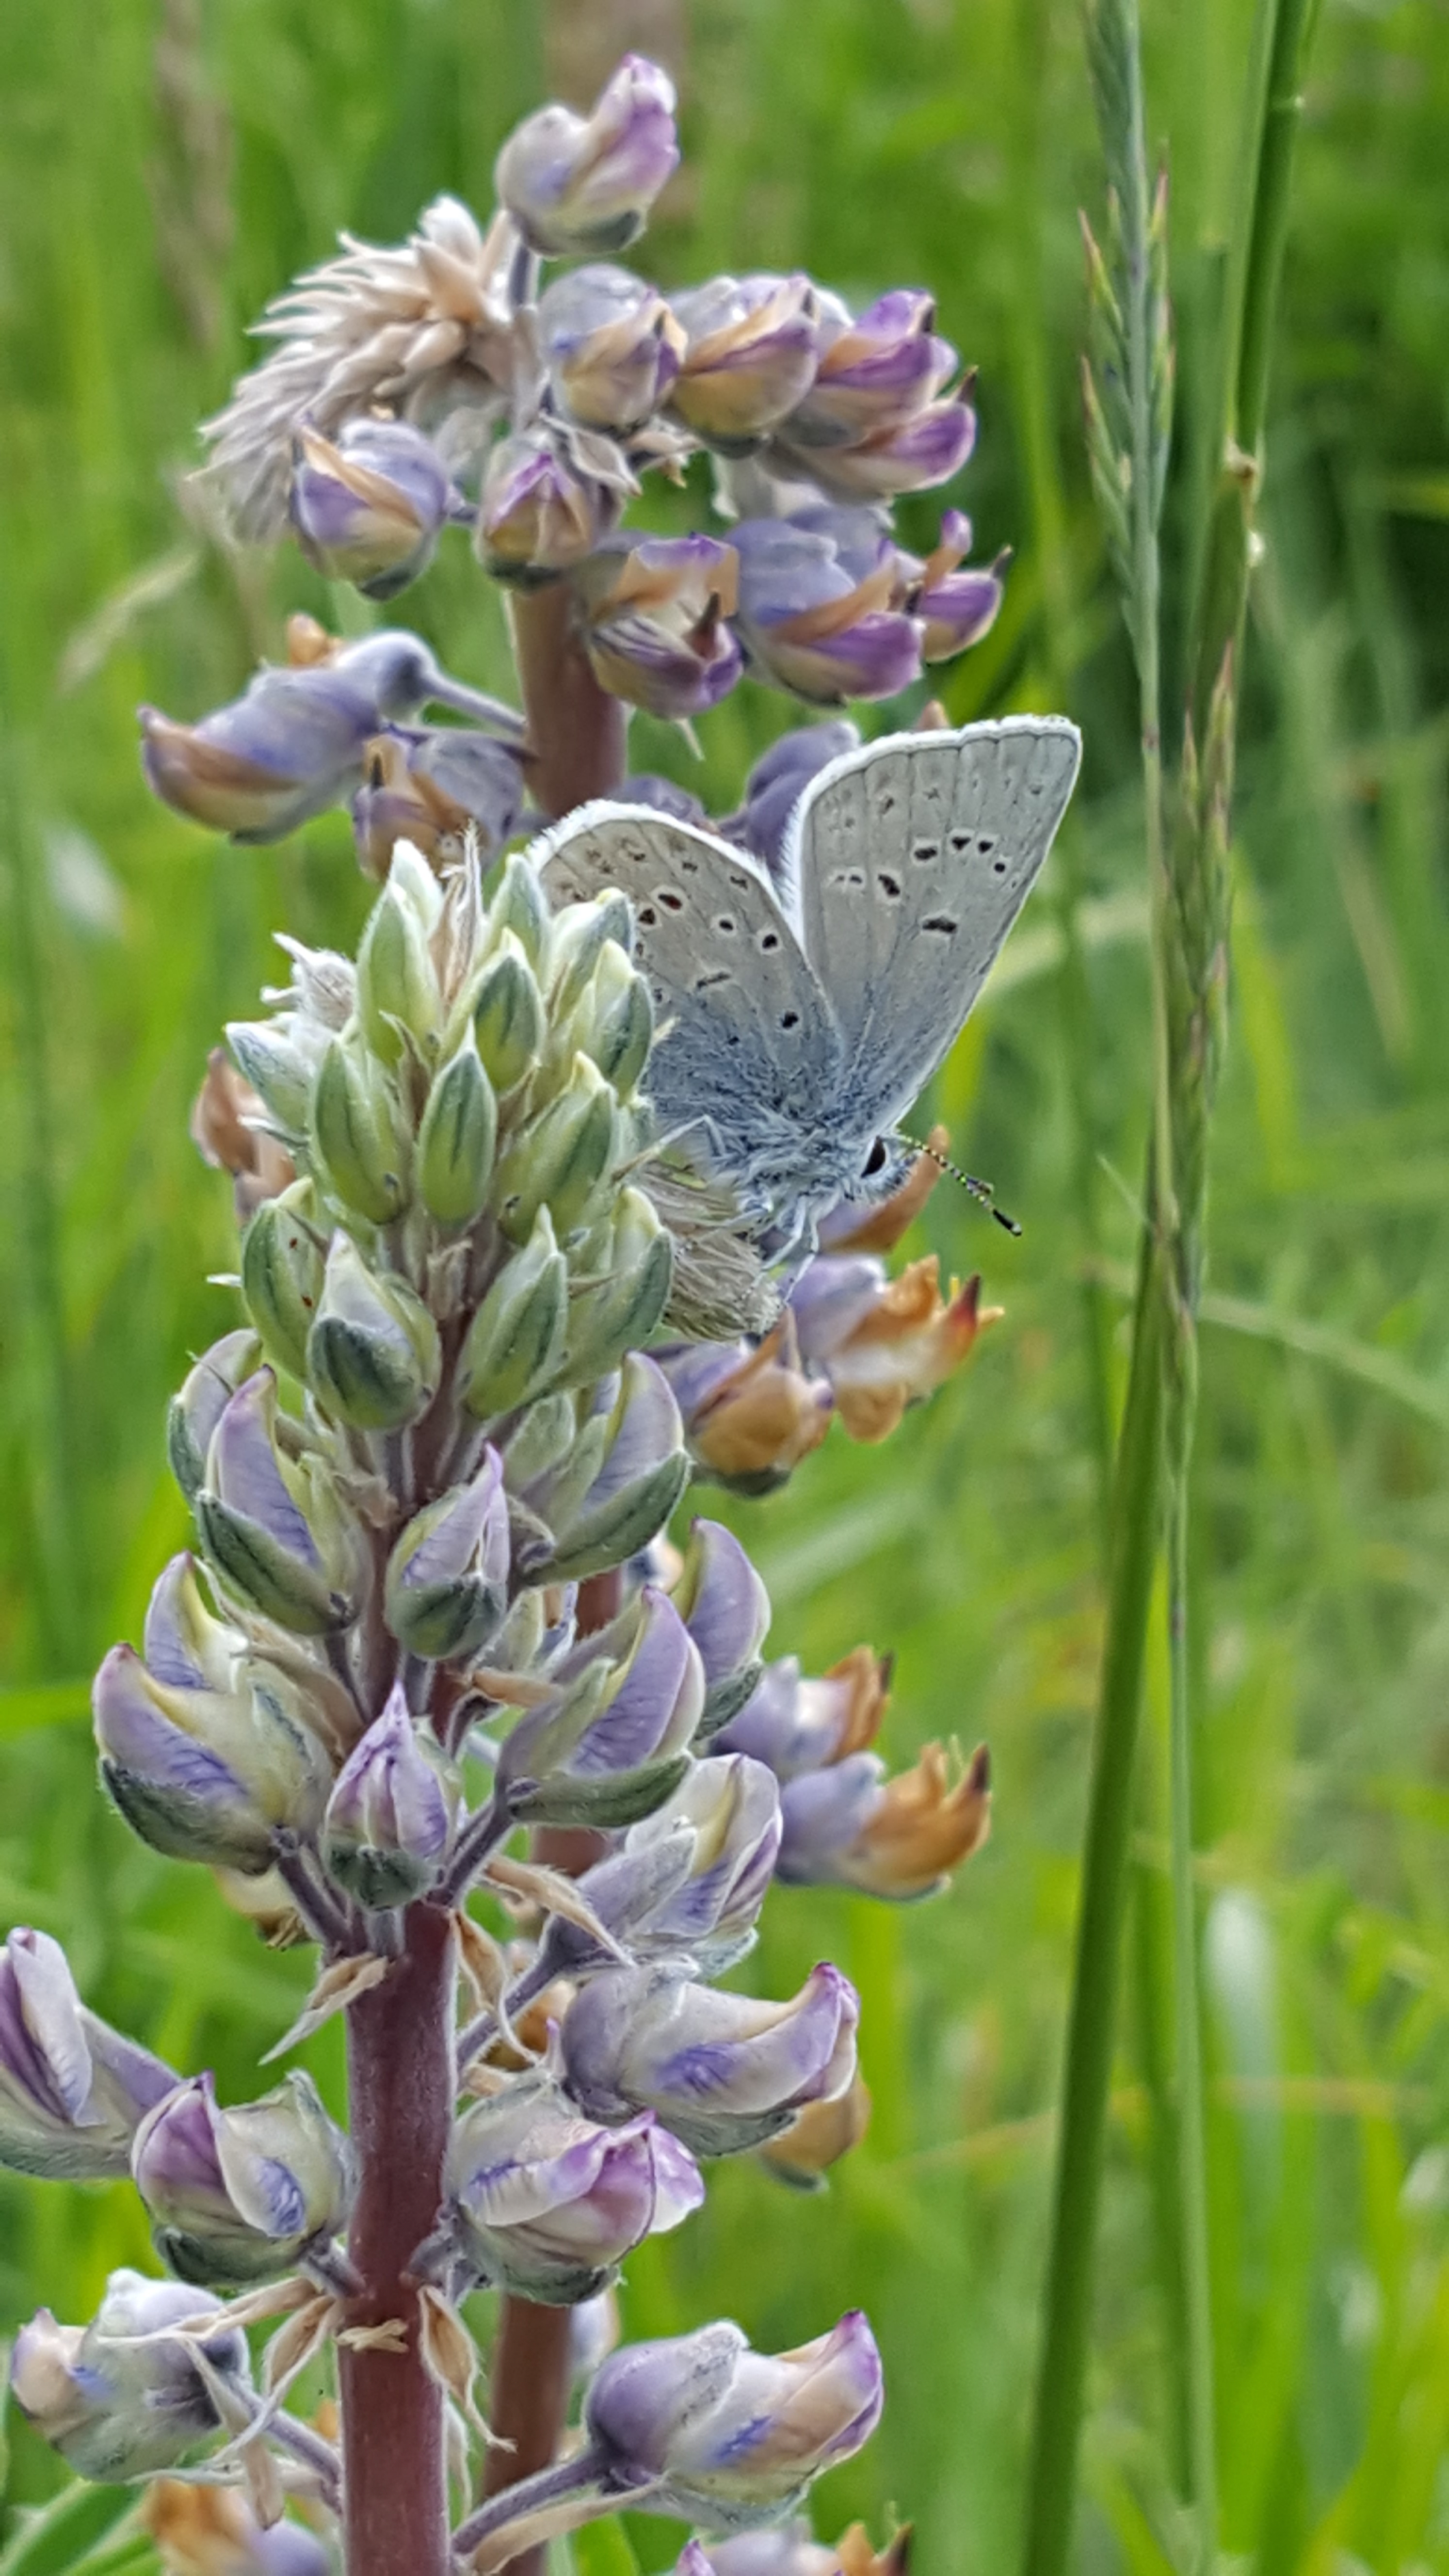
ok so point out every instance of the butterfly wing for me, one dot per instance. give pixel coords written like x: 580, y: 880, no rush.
x: 750, y: 1046
x: 910, y: 861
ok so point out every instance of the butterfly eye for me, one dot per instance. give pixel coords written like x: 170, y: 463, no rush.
x: 876, y: 1159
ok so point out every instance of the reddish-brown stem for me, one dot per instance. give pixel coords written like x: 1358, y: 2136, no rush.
x: 400, y: 2085
x: 575, y: 729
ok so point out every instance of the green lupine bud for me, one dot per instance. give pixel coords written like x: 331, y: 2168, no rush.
x: 411, y: 878
x: 397, y: 987
x: 457, y: 1138
x: 281, y: 1275
x: 273, y: 1526
x: 279, y: 1059
x: 193, y: 1415
x: 520, y: 905
x: 624, y: 1290
x: 372, y: 1354
x: 630, y: 1494
x: 516, y: 1337
x: 357, y: 1133
x: 575, y: 941
x: 615, y: 1021
x: 508, y: 1017
x: 543, y: 1438
x: 447, y: 1577
x: 559, y: 1159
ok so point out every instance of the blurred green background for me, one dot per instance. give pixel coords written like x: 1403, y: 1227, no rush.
x: 165, y: 166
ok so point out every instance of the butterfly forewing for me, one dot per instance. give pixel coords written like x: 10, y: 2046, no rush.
x: 750, y: 1043
x: 912, y: 859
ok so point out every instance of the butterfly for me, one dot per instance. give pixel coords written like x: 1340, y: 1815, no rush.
x: 801, y: 1014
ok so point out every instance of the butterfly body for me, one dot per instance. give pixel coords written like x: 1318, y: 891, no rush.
x: 800, y: 1016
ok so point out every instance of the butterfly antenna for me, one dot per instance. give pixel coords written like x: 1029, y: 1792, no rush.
x: 981, y: 1191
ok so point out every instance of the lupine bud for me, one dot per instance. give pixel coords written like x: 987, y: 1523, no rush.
x: 642, y: 1474
x: 560, y: 1158
x: 726, y: 1609
x: 752, y: 1415
x: 798, y: 1726
x: 296, y: 741
x: 431, y: 786
x: 614, y: 1021
x: 457, y: 1137
x: 957, y: 602
x: 727, y: 2436
x: 193, y: 1415
x: 538, y: 513
x: 72, y: 2090
x: 546, y: 2203
x: 611, y: 346
x: 574, y: 184
x: 279, y: 1058
x: 749, y: 356
x: 184, y: 1646
x: 723, y: 2071
x: 779, y: 779
x: 230, y: 1128
x: 520, y: 905
x: 358, y: 1134
x: 119, y: 2398
x: 818, y: 2137
x: 723, y: 1821
x: 205, y: 1775
x: 447, y: 1577
x: 397, y: 987
x: 508, y: 1021
x: 515, y: 1340
x: 254, y: 1528
x: 815, y: 608
x: 654, y: 623
x: 369, y: 508
x: 281, y: 1275
x: 386, y: 1825
x: 621, y: 1298
x: 850, y: 1826
x: 873, y: 372
x: 904, y: 1348
x: 577, y: 938
x: 611, y: 1742
x: 909, y: 456
x: 239, y: 2196
x: 373, y: 1357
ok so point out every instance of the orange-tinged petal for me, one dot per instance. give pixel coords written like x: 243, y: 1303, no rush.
x: 766, y: 1416
x: 906, y: 1347
x: 858, y: 2558
x: 924, y: 1826
x: 819, y: 2136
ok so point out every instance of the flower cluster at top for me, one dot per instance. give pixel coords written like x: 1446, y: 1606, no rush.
x: 436, y: 1423
x: 443, y: 383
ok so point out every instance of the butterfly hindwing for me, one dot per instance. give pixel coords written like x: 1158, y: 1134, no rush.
x: 749, y: 1041
x: 912, y: 859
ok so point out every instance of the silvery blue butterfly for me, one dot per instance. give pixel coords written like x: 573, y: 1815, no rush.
x: 801, y: 1016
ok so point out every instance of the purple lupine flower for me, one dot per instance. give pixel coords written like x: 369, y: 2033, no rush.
x: 546, y: 2203
x: 386, y: 1825
x: 692, y: 1876
x: 726, y: 1609
x: 815, y: 613
x: 910, y: 455
x: 447, y: 1577
x: 851, y: 1826
x: 723, y: 2071
x: 830, y: 1298
x: 663, y: 796
x: 297, y: 740
x: 239, y: 2196
x: 749, y: 355
x: 611, y: 1715
x: 119, y: 2398
x: 727, y: 2436
x: 368, y: 508
x: 208, y: 1775
x: 206, y: 1392
x: 576, y: 185
x: 611, y: 345
x: 786, y: 2550
x: 72, y: 2090
x: 797, y: 1725
x: 539, y: 514
x: 957, y: 602
x: 655, y: 622
x: 430, y: 785
x: 256, y: 1535
x: 874, y: 371
x: 610, y: 1496
x: 779, y: 779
